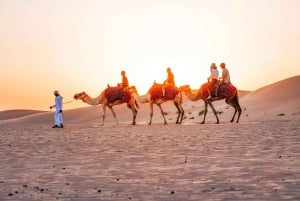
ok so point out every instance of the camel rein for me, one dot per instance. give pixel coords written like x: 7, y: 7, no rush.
x: 66, y: 103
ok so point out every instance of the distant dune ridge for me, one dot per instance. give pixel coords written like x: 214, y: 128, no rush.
x: 11, y: 114
x: 280, y: 98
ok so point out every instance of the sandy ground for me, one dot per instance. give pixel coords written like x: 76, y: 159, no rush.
x: 246, y: 161
x: 256, y: 159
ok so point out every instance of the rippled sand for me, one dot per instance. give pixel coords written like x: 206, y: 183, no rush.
x: 245, y: 161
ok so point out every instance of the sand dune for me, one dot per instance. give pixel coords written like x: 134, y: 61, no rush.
x: 284, y: 90
x: 11, y: 114
x: 282, y: 97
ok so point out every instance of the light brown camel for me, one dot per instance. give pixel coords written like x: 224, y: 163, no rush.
x: 172, y: 93
x: 110, y: 97
x: 225, y: 91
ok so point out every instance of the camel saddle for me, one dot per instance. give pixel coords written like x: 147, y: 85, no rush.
x: 225, y: 90
x: 156, y: 92
x: 113, y: 94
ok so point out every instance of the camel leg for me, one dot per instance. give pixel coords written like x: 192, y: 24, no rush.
x: 162, y: 113
x: 214, y: 110
x: 237, y: 108
x: 114, y: 114
x: 137, y: 105
x: 151, y: 113
x: 104, y: 114
x: 178, y: 110
x: 205, y: 112
x: 239, y: 112
x: 134, y: 111
x: 232, y: 104
x: 180, y: 113
x: 130, y: 105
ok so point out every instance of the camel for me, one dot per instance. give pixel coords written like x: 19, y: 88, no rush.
x: 171, y: 94
x: 225, y: 91
x: 110, y: 97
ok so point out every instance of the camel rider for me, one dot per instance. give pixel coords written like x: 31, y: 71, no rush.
x: 213, y: 81
x: 124, y: 85
x: 225, y: 74
x: 169, y: 81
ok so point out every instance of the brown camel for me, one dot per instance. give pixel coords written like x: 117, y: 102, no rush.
x: 110, y: 97
x: 226, y: 91
x: 172, y: 93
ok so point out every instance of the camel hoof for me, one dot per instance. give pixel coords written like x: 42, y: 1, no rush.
x: 133, y: 123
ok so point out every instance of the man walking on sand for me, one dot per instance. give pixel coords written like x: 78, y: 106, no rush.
x: 58, y: 120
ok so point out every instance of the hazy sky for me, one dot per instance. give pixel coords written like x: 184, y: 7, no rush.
x: 82, y: 45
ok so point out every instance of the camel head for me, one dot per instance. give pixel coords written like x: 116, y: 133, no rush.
x: 133, y: 90
x: 185, y: 88
x: 80, y: 95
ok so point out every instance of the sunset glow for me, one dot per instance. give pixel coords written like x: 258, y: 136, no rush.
x: 77, y: 45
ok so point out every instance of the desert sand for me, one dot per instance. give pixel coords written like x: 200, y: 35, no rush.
x: 256, y: 159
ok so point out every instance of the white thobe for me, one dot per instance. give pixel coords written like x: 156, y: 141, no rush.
x: 58, y: 106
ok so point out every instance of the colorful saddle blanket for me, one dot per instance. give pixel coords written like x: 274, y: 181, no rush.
x: 117, y: 93
x: 225, y: 90
x: 157, y: 93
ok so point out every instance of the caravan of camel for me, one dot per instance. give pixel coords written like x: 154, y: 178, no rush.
x: 161, y: 93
